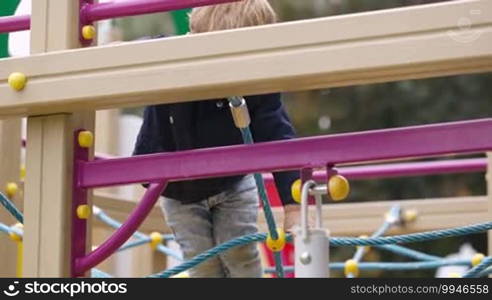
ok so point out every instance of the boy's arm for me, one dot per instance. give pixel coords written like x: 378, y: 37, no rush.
x: 270, y: 122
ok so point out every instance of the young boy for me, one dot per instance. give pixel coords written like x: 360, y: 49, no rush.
x: 208, y: 212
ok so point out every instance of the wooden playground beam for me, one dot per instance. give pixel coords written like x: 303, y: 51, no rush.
x: 386, y: 45
x: 345, y: 219
x: 352, y: 219
x: 49, y: 155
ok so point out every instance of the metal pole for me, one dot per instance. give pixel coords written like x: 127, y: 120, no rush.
x: 312, y: 254
x: 17, y: 23
x: 110, y: 10
x: 311, y: 245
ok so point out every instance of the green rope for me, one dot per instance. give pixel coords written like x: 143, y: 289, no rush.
x: 478, y: 269
x: 96, y: 273
x: 10, y: 206
x: 409, y: 252
x: 390, y: 266
x: 394, y: 214
x: 414, y: 237
x: 343, y: 241
x: 272, y: 227
x: 142, y: 238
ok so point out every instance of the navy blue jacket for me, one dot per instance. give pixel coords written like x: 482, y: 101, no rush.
x: 209, y: 123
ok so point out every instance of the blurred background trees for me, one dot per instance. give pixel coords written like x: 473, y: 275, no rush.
x: 368, y: 107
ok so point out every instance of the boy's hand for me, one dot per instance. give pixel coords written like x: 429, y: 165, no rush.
x: 292, y: 217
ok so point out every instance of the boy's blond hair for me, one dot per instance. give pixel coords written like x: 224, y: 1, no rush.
x: 231, y: 15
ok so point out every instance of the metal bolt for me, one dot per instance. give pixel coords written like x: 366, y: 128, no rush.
x: 305, y: 258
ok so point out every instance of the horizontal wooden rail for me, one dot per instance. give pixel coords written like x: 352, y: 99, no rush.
x: 386, y: 45
x: 344, y: 219
x: 353, y: 219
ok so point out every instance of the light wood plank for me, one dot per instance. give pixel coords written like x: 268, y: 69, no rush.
x: 50, y: 154
x: 396, y: 44
x: 353, y: 219
x: 342, y: 219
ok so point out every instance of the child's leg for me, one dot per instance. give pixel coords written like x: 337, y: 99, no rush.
x: 235, y: 214
x: 192, y: 227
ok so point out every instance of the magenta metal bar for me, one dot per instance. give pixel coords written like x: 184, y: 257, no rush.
x: 415, y: 168
x: 110, y: 10
x: 389, y: 170
x: 16, y: 23
x: 392, y: 170
x: 399, y: 143
x: 123, y: 233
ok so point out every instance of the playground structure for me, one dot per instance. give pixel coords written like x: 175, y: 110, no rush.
x: 64, y: 88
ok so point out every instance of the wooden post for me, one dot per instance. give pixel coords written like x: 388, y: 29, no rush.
x: 10, y: 142
x: 49, y: 153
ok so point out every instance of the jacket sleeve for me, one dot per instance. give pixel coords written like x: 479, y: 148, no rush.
x: 270, y: 122
x: 150, y: 139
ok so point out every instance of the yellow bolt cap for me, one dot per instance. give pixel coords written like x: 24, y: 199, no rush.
x: 296, y: 190
x: 181, y: 275
x: 85, y: 139
x: 410, y: 215
x: 17, y: 81
x: 88, y: 32
x: 11, y: 189
x: 278, y: 244
x: 83, y: 211
x: 338, y: 187
x: 351, y: 267
x: 14, y: 237
x: 477, y: 259
x: 155, y: 240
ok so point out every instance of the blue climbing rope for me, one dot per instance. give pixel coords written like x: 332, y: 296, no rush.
x: 11, y: 208
x: 477, y: 270
x: 142, y: 238
x: 417, y: 255
x: 485, y: 272
x: 4, y: 228
x: 96, y: 273
x: 200, y: 258
x: 343, y: 241
x: 389, y: 221
x: 412, y: 238
x: 389, y: 266
x: 270, y: 220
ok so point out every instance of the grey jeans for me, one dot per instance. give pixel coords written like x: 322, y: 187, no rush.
x: 203, y: 225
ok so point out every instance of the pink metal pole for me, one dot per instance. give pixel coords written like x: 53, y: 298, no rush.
x: 398, y: 143
x: 96, y: 12
x: 123, y: 233
x: 110, y: 10
x: 17, y: 23
x: 393, y: 170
